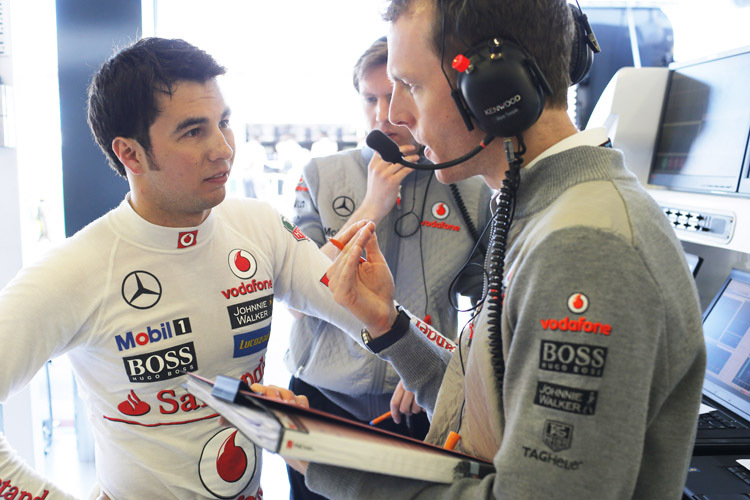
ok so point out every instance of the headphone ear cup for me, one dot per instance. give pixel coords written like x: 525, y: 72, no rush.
x: 581, y: 56
x: 501, y: 89
x: 462, y: 109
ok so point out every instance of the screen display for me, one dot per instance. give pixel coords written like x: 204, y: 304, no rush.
x: 705, y: 126
x: 726, y: 328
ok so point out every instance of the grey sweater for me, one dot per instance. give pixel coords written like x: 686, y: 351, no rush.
x: 423, y: 264
x: 603, y: 349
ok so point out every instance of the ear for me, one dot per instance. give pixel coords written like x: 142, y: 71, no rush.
x: 131, y: 154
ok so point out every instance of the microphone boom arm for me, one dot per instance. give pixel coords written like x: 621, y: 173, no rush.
x: 388, y: 149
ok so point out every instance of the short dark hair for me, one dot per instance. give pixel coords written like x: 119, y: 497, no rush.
x: 376, y: 55
x: 122, y: 94
x: 543, y: 27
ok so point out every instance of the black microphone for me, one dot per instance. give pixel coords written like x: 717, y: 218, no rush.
x: 389, y: 151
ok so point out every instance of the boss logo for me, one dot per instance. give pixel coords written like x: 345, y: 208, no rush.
x: 161, y: 365
x: 576, y: 359
x: 501, y: 107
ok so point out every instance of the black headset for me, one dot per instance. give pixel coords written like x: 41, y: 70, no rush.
x: 501, y: 88
x: 584, y: 46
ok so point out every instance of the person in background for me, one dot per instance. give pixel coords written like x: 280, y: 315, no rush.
x: 428, y: 233
x: 581, y: 375
x: 323, y: 146
x: 253, y: 156
x: 176, y: 279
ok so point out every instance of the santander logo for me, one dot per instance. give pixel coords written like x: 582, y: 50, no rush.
x: 133, y: 406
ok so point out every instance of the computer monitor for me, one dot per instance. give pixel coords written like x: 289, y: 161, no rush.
x: 705, y: 125
x: 726, y: 329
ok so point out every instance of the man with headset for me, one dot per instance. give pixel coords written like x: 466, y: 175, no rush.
x: 581, y: 376
x: 339, y: 190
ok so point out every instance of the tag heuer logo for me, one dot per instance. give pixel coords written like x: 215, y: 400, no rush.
x: 557, y: 435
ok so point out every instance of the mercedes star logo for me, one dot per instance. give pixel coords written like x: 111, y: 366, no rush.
x: 343, y: 206
x: 141, y: 289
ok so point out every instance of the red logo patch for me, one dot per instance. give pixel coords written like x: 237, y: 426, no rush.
x: 578, y: 303
x: 187, y: 239
x: 301, y: 185
x: 298, y: 234
x: 133, y: 406
x: 242, y: 263
x: 440, y: 210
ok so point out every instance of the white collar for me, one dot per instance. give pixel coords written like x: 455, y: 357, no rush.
x: 590, y: 137
x: 596, y: 136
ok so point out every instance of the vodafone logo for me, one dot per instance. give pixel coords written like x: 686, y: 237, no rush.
x: 578, y: 303
x: 227, y: 464
x: 187, y: 239
x: 242, y: 263
x: 440, y: 210
x: 301, y: 185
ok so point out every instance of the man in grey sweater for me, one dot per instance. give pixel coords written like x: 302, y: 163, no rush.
x: 581, y: 375
x: 337, y: 374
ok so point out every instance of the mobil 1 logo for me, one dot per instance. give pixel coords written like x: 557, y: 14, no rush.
x: 161, y: 365
x: 576, y: 359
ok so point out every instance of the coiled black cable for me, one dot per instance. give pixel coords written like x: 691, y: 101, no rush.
x: 501, y: 223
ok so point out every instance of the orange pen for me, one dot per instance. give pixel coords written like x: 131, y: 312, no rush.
x: 452, y: 440
x: 341, y: 246
x: 384, y: 416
